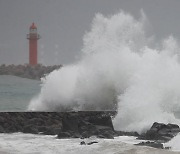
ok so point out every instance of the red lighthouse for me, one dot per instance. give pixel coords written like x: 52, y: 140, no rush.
x: 33, y: 36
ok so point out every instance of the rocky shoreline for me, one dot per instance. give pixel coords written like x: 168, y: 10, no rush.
x: 82, y: 124
x: 158, y: 134
x: 27, y: 71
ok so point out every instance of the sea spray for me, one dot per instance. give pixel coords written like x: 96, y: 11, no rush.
x: 174, y: 144
x: 118, y: 70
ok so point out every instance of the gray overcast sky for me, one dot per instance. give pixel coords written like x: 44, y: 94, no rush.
x: 62, y: 24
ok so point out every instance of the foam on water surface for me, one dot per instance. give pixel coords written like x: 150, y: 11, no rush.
x: 174, y: 144
x: 36, y: 144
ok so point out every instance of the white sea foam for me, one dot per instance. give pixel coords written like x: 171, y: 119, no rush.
x: 19, y: 143
x: 120, y: 69
x: 174, y: 144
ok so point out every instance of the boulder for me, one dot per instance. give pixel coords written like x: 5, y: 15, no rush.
x: 82, y: 143
x: 161, y: 132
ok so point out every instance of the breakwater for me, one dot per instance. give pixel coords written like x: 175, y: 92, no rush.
x: 64, y: 124
x: 81, y: 124
x: 27, y: 71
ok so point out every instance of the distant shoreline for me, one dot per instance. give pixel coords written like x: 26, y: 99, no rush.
x: 35, y: 72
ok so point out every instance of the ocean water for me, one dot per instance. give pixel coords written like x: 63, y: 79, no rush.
x: 19, y: 143
x: 121, y: 67
x: 16, y: 93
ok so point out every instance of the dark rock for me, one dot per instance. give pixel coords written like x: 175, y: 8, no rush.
x: 11, y: 129
x: 57, y: 130
x: 82, y: 143
x: 101, y: 136
x: 151, y: 144
x: 161, y: 132
x: 2, y: 129
x: 173, y: 126
x: 36, y: 121
x: 87, y: 124
x: 152, y: 134
x: 76, y: 135
x: 64, y: 135
x: 101, y: 121
x: 122, y: 133
x: 49, y: 131
x: 85, y: 134
x: 92, y: 142
x: 70, y: 122
x: 6, y: 125
x: 52, y: 130
x: 107, y: 135
x: 65, y: 124
x: 42, y: 128
x: 30, y: 129
x: 2, y: 120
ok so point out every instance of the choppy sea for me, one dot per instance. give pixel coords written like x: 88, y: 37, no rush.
x: 15, y: 95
